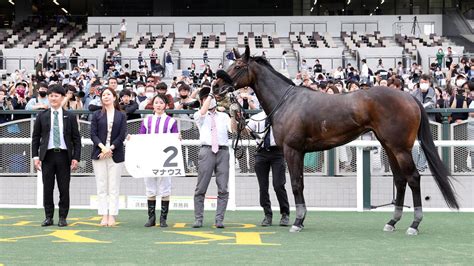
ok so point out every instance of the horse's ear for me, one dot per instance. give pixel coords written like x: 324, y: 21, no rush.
x: 236, y: 53
x: 247, y: 53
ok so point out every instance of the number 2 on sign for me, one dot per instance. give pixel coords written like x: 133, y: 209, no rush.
x: 174, y: 152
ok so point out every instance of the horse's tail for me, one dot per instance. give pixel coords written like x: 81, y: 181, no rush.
x: 437, y: 167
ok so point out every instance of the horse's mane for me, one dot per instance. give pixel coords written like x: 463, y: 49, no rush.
x: 262, y: 61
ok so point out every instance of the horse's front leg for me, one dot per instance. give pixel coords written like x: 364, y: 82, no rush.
x: 294, y: 159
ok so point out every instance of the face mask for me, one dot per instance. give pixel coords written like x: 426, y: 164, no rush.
x: 149, y: 95
x: 460, y: 82
x: 42, y: 94
x: 213, y: 103
x: 140, y: 90
x: 424, y: 86
x: 183, y: 96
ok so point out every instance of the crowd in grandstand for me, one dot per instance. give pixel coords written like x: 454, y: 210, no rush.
x: 449, y: 83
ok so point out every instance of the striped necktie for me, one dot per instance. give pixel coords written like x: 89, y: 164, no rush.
x: 56, y: 139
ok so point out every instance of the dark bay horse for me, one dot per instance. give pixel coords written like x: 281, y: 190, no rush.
x: 304, y: 120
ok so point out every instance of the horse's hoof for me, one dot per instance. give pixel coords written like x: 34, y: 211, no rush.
x: 295, y: 229
x: 412, y: 231
x: 388, y: 228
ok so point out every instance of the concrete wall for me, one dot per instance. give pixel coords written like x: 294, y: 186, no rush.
x: 280, y: 25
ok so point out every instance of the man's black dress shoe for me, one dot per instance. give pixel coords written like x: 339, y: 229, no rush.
x: 62, y: 222
x: 47, y: 222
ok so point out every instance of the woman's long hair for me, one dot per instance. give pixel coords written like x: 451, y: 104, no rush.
x: 116, y: 102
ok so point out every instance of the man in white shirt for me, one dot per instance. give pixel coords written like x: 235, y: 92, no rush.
x: 364, y: 72
x: 56, y: 150
x: 213, y: 155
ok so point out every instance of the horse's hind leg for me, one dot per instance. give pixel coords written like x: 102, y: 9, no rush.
x: 414, y: 183
x: 294, y: 159
x: 409, y: 171
x: 401, y: 184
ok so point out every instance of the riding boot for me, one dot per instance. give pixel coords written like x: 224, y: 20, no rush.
x: 164, y: 213
x: 151, y: 213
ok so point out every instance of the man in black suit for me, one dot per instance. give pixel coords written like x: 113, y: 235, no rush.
x: 56, y: 150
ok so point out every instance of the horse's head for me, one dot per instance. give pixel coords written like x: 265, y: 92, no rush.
x: 239, y: 71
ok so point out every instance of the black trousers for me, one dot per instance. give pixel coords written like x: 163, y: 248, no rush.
x: 263, y: 161
x: 56, y: 166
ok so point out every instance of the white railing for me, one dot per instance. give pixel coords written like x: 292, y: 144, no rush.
x: 358, y: 144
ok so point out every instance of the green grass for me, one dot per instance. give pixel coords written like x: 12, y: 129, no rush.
x: 328, y: 238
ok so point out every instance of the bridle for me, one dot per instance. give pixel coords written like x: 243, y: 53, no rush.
x: 241, y: 123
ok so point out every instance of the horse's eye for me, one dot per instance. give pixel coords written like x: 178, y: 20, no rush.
x: 237, y: 67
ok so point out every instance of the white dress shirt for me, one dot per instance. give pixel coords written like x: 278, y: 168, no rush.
x: 204, y: 125
x: 61, y: 130
x: 257, y: 124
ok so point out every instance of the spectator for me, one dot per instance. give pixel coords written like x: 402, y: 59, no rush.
x: 440, y: 57
x: 284, y: 62
x: 159, y: 68
x: 52, y: 64
x: 161, y: 89
x: 395, y: 83
x: 149, y: 94
x: 231, y: 57
x: 185, y: 101
x: 20, y: 99
x: 112, y: 83
x: 123, y: 30
x: 400, y: 70
x: 364, y: 72
x: 304, y: 66
x: 332, y: 90
x: 298, y: 79
x: 380, y: 64
x: 205, y: 57
x: 153, y: 58
x: 353, y: 86
x: 317, y: 68
x: 460, y: 99
x: 470, y: 73
x: 5, y: 104
x: 108, y: 64
x: 62, y: 59
x: 128, y: 105
x: 338, y: 73
x: 141, y: 62
x: 340, y: 86
x: 140, y: 90
x: 73, y: 58
x: 92, y: 96
x: 207, y: 72
x: 169, y: 65
x: 39, y: 64
x: 449, y: 58
x: 72, y: 101
x: 41, y: 101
